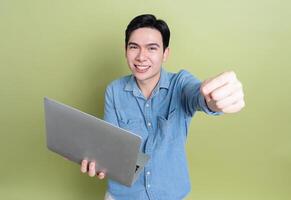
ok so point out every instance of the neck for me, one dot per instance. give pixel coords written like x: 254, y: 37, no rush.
x: 147, y: 86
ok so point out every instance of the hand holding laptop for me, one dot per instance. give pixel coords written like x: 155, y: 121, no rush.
x: 89, y: 167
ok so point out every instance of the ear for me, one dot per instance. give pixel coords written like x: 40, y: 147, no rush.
x: 166, y: 54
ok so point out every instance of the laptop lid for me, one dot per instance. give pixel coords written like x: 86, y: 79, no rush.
x: 77, y: 135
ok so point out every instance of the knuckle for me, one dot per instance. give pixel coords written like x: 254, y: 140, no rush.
x: 239, y: 85
x: 231, y: 74
x: 220, y: 80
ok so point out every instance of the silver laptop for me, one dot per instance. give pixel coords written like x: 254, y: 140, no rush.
x: 77, y: 136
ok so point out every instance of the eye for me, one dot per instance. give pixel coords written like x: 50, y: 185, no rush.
x: 132, y: 47
x: 153, y: 48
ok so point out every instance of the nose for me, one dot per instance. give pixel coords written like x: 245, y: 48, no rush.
x: 141, y: 56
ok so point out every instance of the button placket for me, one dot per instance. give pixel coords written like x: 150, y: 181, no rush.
x: 148, y: 114
x: 147, y: 178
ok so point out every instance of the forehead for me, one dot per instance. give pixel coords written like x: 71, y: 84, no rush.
x: 146, y: 35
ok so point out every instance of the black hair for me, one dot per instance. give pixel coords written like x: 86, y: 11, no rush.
x: 148, y: 21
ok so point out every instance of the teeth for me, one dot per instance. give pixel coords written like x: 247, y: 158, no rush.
x: 142, y: 66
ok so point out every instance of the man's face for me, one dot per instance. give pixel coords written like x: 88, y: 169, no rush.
x: 145, y: 54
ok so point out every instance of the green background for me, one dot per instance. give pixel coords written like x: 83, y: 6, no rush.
x: 70, y: 50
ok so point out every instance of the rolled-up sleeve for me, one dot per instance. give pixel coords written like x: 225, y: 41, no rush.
x: 192, y: 99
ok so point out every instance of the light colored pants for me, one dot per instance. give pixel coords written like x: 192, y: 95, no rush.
x: 108, y: 196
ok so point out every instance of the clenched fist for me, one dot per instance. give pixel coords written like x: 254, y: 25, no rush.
x: 223, y: 93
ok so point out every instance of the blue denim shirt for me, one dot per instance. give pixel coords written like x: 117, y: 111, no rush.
x: 162, y: 121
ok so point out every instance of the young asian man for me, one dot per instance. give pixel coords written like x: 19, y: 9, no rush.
x: 159, y: 105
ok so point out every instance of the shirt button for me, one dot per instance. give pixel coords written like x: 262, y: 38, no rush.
x: 148, y: 173
x: 147, y: 105
x: 149, y: 124
x: 149, y: 185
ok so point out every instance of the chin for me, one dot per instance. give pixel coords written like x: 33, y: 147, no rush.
x: 141, y: 77
x: 139, y: 74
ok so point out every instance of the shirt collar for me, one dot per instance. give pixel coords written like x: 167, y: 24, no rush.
x: 164, y: 82
x: 164, y: 79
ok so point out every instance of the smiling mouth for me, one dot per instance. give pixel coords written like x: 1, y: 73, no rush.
x: 142, y: 68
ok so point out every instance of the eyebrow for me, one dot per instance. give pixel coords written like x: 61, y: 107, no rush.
x: 153, y: 44
x: 150, y: 44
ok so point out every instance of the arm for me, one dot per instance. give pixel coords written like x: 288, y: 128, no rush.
x: 109, y: 108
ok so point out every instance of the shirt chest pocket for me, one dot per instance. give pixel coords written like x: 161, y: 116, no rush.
x: 132, y: 125
x: 167, y: 128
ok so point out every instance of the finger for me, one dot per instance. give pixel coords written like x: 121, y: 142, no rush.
x: 206, y: 96
x: 226, y: 90
x: 92, y: 170
x: 218, y: 81
x: 228, y: 101
x: 84, y: 165
x: 234, y: 107
x: 101, y: 175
